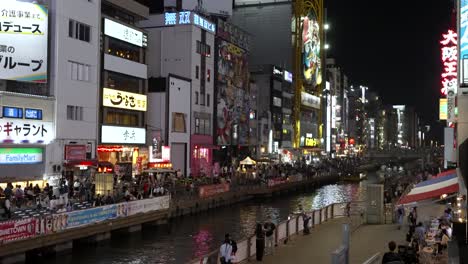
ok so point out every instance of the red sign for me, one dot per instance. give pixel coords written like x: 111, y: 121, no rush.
x: 17, y: 229
x: 449, y: 60
x: 211, y: 190
x: 75, y: 152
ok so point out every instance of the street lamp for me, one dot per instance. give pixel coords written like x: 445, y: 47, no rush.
x: 326, y: 26
x: 327, y: 46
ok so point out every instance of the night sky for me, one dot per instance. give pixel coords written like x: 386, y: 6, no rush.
x: 393, y: 47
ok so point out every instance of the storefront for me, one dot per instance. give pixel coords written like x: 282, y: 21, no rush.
x: 202, y: 155
x: 123, y: 147
x: 22, y: 165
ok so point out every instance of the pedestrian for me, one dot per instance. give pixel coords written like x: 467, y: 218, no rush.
x: 225, y: 251
x: 7, y: 207
x: 348, y: 209
x: 419, y: 235
x: 400, y: 214
x: 269, y: 237
x: 306, y: 218
x: 260, y: 241
x: 19, y: 194
x: 391, y: 256
x: 109, y: 199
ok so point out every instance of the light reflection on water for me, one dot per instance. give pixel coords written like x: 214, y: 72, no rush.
x: 194, y: 236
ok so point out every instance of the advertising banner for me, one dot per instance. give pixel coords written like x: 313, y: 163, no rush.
x: 123, y: 135
x: 274, y: 182
x: 443, y: 109
x: 311, y: 53
x: 75, y: 152
x: 17, y: 230
x: 84, y: 217
x: 147, y: 205
x: 26, y: 130
x: 124, y: 100
x: 211, y: 190
x: 310, y: 100
x: 21, y: 155
x: 23, y: 25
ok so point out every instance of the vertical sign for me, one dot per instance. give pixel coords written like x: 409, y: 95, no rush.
x: 449, y: 73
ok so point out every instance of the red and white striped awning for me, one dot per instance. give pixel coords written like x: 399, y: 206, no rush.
x: 443, y: 183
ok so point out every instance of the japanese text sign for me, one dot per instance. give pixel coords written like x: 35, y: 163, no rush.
x: 27, y: 131
x: 310, y: 100
x: 188, y: 18
x: 123, y: 135
x: 23, y: 42
x: 124, y: 100
x: 450, y: 61
x: 125, y: 33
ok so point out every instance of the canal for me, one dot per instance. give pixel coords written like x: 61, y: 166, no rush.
x: 189, y: 237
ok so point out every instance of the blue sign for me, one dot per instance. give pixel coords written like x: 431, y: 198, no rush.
x: 188, y: 18
x: 12, y: 112
x: 33, y: 114
x: 463, y: 30
x: 88, y: 216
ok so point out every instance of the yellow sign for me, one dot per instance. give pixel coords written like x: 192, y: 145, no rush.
x: 311, y: 142
x: 443, y: 109
x: 124, y: 100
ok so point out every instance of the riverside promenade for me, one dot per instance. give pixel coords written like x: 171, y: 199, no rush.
x: 365, y: 240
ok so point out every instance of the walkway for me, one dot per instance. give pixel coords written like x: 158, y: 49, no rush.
x: 366, y: 241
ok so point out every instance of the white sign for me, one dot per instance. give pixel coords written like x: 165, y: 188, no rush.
x: 20, y: 155
x: 25, y: 131
x: 23, y: 42
x: 288, y: 76
x: 123, y: 135
x: 148, y: 205
x: 124, y: 100
x: 188, y: 18
x: 216, y: 7
x: 124, y: 33
x: 310, y: 100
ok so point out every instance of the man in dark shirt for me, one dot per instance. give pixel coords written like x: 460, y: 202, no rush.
x: 391, y: 256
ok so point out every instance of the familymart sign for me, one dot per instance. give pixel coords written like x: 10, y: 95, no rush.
x: 9, y: 156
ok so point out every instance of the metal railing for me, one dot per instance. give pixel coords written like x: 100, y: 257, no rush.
x: 375, y: 259
x: 293, y: 226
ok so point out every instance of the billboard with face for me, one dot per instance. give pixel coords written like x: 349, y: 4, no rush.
x: 311, y: 53
x: 232, y: 97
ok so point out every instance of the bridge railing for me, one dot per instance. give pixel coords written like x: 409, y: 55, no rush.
x: 375, y: 259
x: 284, y: 231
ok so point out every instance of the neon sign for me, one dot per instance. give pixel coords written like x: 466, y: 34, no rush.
x: 449, y: 60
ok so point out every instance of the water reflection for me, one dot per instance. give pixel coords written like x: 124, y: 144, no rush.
x: 193, y: 236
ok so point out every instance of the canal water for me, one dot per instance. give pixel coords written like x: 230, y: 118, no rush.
x: 193, y: 236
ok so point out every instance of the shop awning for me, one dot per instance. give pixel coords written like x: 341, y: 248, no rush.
x: 248, y: 161
x: 433, y: 188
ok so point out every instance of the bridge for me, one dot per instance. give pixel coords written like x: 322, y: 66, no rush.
x: 398, y: 154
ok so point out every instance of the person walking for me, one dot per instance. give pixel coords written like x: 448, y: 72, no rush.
x: 260, y: 241
x: 269, y: 237
x: 400, y: 214
x: 7, y: 206
x: 225, y: 251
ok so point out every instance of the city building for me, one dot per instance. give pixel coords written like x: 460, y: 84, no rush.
x: 274, y: 84
x: 181, y: 52
x: 402, y: 126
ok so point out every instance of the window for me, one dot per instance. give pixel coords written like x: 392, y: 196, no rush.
x: 79, y: 30
x: 287, y: 119
x: 124, y: 50
x: 123, y: 82
x: 119, y: 117
x: 178, y: 122
x: 196, y: 98
x: 202, y: 99
x: 80, y: 71
x: 276, y: 101
x: 207, y: 99
x: 208, y: 75
x: 202, y: 126
x: 74, y: 112
x: 197, y: 69
x: 203, y: 49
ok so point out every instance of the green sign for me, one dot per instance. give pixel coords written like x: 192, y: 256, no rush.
x: 10, y: 156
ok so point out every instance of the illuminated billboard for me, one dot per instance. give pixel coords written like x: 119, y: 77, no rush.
x: 125, y: 33
x: 124, y: 100
x: 443, y: 109
x: 23, y: 42
x: 311, y: 53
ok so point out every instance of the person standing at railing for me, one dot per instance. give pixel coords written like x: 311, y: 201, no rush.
x: 225, y: 251
x: 260, y: 241
x: 270, y: 228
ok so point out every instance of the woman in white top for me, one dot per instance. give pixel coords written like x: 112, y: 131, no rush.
x: 225, y: 252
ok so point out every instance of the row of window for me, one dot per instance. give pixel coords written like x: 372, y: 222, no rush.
x: 200, y: 99
x: 202, y: 126
x: 203, y: 49
x: 197, y: 73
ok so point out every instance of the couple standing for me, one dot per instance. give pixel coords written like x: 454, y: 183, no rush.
x: 264, y: 236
